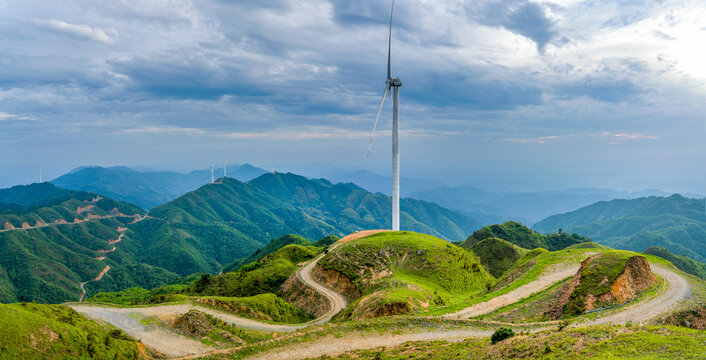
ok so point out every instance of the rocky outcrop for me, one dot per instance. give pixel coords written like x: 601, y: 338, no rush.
x: 298, y: 294
x: 595, y: 285
x: 337, y: 281
x: 373, y: 306
x: 636, y: 276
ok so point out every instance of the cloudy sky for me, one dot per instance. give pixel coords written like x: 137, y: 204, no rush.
x: 558, y: 93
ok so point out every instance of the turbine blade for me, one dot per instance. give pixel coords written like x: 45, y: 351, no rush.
x: 389, y: 43
x: 387, y: 87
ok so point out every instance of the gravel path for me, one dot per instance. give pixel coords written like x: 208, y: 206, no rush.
x: 677, y: 289
x: 172, y: 344
x: 155, y: 337
x: 333, y: 346
x: 550, y: 277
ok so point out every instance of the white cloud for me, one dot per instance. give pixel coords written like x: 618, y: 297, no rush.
x: 82, y: 31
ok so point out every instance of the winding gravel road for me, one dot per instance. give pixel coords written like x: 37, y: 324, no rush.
x: 129, y: 319
x: 676, y: 289
x: 547, y: 279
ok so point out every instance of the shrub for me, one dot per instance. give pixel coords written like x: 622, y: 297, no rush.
x: 501, y: 334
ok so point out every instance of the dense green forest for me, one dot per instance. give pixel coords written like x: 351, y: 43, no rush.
x: 524, y: 237
x: 675, y: 223
x: 684, y: 263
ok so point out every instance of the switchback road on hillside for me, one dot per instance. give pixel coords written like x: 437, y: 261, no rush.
x: 128, y: 319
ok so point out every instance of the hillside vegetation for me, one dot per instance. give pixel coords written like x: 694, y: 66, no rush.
x: 48, y: 262
x: 675, y: 223
x: 683, y: 263
x: 596, y: 342
x: 401, y: 272
x: 33, y: 331
x: 497, y: 255
x: 524, y: 237
x: 145, y: 188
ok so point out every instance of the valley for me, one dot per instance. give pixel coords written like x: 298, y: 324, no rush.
x: 295, y: 298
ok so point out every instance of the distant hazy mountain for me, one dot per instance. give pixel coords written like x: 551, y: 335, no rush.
x: 50, y: 245
x: 675, y: 223
x: 146, y: 188
x: 526, y: 207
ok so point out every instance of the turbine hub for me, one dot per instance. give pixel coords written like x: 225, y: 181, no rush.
x: 394, y: 82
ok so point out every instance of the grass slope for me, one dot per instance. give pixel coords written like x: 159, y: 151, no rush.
x: 497, y: 255
x: 406, y: 271
x: 597, y: 342
x: 33, y: 331
x: 263, y: 276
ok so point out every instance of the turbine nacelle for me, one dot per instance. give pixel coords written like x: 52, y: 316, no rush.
x: 396, y: 82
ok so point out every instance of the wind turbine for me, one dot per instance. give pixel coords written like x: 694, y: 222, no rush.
x: 224, y: 169
x: 212, y: 180
x: 395, y: 85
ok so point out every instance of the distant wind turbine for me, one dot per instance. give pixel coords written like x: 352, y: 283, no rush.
x: 395, y: 85
x: 224, y: 169
x: 212, y: 180
x: 41, y: 172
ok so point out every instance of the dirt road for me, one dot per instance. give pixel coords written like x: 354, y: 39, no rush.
x: 550, y: 277
x: 129, y: 320
x: 677, y: 288
x: 333, y: 346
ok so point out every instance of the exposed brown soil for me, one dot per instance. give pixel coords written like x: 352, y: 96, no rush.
x: 337, y: 281
x: 193, y: 323
x: 304, y: 297
x: 635, y: 278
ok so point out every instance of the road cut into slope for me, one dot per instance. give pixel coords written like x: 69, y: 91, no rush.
x: 548, y: 278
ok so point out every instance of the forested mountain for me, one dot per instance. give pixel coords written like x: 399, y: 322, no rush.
x: 208, y: 228
x: 526, y: 207
x: 27, y: 196
x: 675, y: 223
x: 684, y: 263
x: 147, y: 189
x: 47, y: 250
x: 523, y: 237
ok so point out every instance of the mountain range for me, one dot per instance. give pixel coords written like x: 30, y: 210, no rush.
x: 53, y: 239
x: 676, y: 223
x: 526, y: 207
x: 145, y: 188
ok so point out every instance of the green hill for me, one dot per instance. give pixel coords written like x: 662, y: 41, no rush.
x: 206, y: 229
x: 497, y: 255
x: 47, y: 262
x: 683, y: 263
x: 38, y: 194
x: 524, y: 237
x: 404, y: 272
x: 272, y: 246
x: 33, y: 331
x: 675, y: 223
x: 145, y: 188
x: 263, y: 276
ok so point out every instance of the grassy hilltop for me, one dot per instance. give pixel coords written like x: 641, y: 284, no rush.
x: 402, y: 272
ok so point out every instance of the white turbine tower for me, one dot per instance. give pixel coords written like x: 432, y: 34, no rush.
x: 224, y: 169
x: 212, y: 180
x: 395, y: 85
